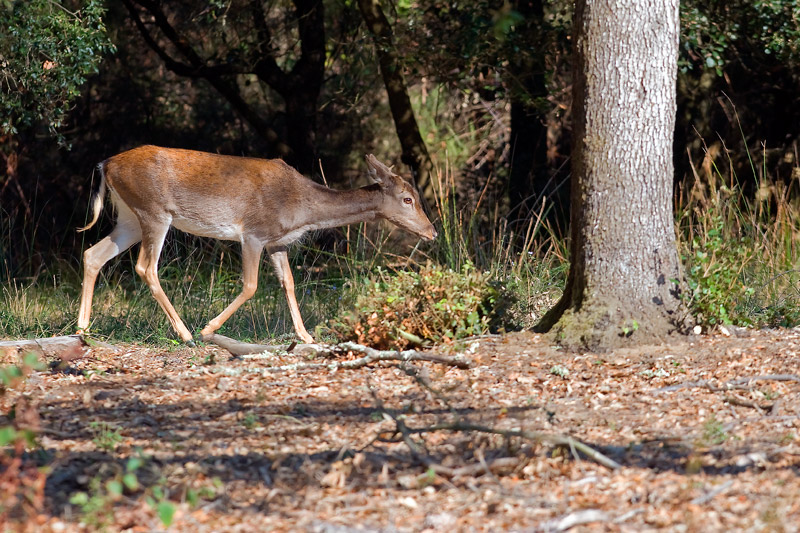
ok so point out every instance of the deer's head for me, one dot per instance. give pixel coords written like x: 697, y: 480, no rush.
x: 401, y: 204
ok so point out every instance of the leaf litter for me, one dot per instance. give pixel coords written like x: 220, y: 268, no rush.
x: 706, y: 430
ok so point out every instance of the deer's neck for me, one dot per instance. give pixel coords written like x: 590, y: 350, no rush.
x: 334, y: 208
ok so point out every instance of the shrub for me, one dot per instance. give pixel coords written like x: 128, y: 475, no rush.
x: 432, y: 305
x: 714, y: 277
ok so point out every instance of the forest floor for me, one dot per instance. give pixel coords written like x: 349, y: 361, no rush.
x: 706, y: 430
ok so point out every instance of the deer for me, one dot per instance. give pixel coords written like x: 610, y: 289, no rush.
x: 262, y: 203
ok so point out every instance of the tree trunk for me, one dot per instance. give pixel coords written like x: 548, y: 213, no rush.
x: 624, y: 280
x: 528, y: 175
x: 303, y: 85
x: 415, y: 153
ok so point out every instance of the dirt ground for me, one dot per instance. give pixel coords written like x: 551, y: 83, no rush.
x: 706, y: 430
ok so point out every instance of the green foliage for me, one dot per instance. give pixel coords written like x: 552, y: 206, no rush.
x: 434, y: 304
x: 714, y: 276
x: 46, y: 54
x: 96, y: 505
x: 740, y: 251
x: 20, y: 494
x: 106, y: 436
x: 713, y: 432
x: 11, y: 376
x: 711, y: 31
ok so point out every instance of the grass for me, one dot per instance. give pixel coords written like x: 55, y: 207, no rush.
x: 741, y: 250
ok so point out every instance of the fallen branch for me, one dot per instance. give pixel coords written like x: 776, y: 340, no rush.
x: 246, y: 348
x: 536, y: 436
x: 733, y: 400
x: 66, y: 347
x: 731, y: 384
x: 710, y: 495
x: 743, y: 383
x: 371, y: 356
x: 577, y: 518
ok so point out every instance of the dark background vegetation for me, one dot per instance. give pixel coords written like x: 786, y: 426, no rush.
x: 307, y: 80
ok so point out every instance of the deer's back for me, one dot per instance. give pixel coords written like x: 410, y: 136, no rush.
x: 206, y: 194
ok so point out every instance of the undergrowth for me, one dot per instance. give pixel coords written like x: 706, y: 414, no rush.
x: 431, y: 305
x: 741, y: 250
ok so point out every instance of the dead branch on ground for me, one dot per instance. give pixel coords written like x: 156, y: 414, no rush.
x: 65, y: 347
x: 731, y: 384
x: 371, y: 355
x: 459, y: 425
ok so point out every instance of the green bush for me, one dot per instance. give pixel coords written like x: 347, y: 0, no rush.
x: 431, y: 305
x: 714, y: 277
x: 46, y: 54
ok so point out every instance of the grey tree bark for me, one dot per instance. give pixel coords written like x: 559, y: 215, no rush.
x: 624, y: 280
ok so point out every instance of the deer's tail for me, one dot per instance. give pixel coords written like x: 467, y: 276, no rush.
x: 97, y: 198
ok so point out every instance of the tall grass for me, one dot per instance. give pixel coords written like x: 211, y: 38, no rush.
x: 741, y: 249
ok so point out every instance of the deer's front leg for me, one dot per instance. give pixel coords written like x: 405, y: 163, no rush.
x: 280, y: 260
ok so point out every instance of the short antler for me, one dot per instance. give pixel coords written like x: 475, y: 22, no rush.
x: 377, y: 166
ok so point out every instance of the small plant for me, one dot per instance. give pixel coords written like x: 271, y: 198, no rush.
x: 106, y: 436
x: 96, y: 505
x: 629, y: 328
x: 250, y: 420
x: 714, y: 432
x: 432, y: 305
x: 560, y: 371
x: 158, y: 501
x: 714, y: 277
x: 21, y: 481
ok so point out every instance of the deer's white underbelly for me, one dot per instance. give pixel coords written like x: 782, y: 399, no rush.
x: 226, y: 231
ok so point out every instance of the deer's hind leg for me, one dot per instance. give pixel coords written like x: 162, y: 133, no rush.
x: 154, y: 232
x: 280, y: 259
x: 125, y: 234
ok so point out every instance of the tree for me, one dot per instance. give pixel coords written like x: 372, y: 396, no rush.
x: 245, y: 47
x: 48, y: 50
x: 415, y: 153
x: 46, y: 53
x: 624, y: 275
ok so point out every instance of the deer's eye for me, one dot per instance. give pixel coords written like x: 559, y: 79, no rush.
x: 408, y: 201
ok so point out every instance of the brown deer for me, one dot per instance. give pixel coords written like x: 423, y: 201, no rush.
x: 260, y: 203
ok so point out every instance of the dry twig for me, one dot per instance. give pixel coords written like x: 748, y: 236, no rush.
x: 731, y: 384
x: 371, y: 355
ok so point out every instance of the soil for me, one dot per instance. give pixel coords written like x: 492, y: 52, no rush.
x: 706, y: 430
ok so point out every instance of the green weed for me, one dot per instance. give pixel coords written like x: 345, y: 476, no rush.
x: 740, y: 250
x: 713, y: 432
x: 106, y: 437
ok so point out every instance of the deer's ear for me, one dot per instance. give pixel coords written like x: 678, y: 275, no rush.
x: 380, y: 173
